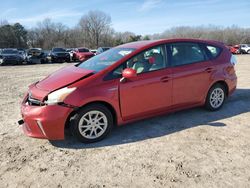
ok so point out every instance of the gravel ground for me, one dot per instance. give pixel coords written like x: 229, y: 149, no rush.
x: 191, y: 148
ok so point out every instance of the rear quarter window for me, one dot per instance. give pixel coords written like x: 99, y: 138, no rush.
x: 214, y: 51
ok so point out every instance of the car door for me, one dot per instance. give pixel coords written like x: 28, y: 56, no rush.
x: 151, y: 90
x: 191, y: 73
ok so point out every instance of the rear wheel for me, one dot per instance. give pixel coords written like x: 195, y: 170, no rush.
x: 215, y: 97
x: 92, y: 123
x: 248, y: 51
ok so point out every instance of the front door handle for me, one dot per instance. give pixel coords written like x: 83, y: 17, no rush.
x: 165, y: 79
x: 209, y: 69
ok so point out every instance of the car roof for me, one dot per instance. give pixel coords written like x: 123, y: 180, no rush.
x: 148, y: 43
x: 9, y: 49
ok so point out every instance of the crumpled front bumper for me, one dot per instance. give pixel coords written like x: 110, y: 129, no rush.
x: 45, y: 122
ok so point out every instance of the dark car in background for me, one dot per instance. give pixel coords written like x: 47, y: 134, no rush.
x: 11, y: 56
x: 101, y: 50
x: 37, y: 56
x: 59, y: 55
x: 24, y: 53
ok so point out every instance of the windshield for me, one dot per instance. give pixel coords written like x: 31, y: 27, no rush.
x: 58, y: 50
x: 104, y: 49
x: 9, y: 52
x: 83, y: 50
x: 101, y: 61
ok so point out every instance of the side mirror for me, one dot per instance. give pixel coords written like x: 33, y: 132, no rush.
x: 128, y: 73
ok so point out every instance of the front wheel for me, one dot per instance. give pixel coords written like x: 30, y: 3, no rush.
x: 215, y: 97
x: 248, y: 51
x: 92, y: 123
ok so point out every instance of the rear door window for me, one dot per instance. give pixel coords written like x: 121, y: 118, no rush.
x: 183, y: 53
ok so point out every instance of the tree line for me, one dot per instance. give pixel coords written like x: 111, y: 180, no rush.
x: 94, y: 29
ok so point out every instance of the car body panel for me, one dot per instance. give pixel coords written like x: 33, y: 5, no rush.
x: 51, y: 123
x: 145, y: 85
x: 62, y: 77
x: 192, y: 80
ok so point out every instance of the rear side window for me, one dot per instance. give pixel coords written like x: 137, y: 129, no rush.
x: 186, y: 53
x: 214, y: 51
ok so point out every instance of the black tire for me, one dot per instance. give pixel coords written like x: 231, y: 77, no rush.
x: 42, y: 61
x: 209, y: 104
x: 248, y: 51
x: 75, y: 121
x: 74, y: 58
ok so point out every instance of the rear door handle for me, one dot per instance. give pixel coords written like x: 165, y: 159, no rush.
x: 165, y: 79
x: 209, y: 69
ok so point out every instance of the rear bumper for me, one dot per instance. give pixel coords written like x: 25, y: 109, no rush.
x: 232, y: 85
x: 45, y: 122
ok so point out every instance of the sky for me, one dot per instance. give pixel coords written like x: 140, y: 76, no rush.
x: 138, y: 16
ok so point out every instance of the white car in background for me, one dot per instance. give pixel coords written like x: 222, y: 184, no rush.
x: 245, y: 48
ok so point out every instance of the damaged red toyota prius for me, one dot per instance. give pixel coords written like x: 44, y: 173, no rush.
x: 127, y: 83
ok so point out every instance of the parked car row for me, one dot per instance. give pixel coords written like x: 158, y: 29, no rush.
x: 240, y: 49
x: 13, y: 56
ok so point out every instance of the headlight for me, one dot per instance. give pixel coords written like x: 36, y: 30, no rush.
x: 59, y: 95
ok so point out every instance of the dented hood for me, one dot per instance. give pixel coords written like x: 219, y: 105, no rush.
x: 63, y: 77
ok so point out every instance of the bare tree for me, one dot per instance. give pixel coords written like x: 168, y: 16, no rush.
x: 94, y: 24
x: 48, y: 34
x: 228, y: 35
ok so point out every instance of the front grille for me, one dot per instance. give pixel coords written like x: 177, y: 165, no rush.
x: 62, y: 55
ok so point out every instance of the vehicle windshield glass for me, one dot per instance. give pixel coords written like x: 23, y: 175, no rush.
x: 104, y: 49
x: 83, y: 50
x: 106, y: 59
x: 59, y: 50
x: 9, y: 52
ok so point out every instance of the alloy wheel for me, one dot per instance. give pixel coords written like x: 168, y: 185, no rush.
x: 217, y: 97
x: 93, y: 124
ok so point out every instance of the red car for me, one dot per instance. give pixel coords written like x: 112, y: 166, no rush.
x: 82, y: 54
x: 127, y: 83
x: 234, y: 49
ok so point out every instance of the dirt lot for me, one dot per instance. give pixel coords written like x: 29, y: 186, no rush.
x: 192, y: 148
